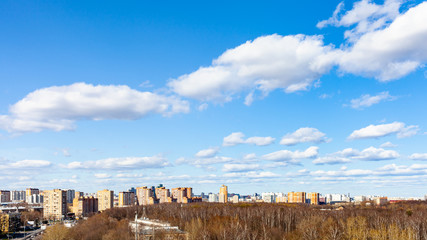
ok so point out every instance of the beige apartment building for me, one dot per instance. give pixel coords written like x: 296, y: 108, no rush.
x: 84, y: 206
x: 163, y: 194
x: 105, y: 199
x: 182, y: 194
x: 223, y: 194
x: 54, y: 204
x: 296, y: 197
x: 144, y: 196
x: 126, y: 199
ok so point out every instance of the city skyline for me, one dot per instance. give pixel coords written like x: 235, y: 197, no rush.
x: 261, y: 97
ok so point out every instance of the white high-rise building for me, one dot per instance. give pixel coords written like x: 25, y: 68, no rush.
x: 213, y: 197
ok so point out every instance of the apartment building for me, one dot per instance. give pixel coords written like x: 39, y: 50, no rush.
x: 54, y: 204
x: 105, y: 199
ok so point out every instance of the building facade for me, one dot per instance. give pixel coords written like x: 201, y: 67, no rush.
x: 223, y: 194
x: 313, y: 198
x: 144, y: 195
x: 18, y: 196
x: 126, y: 199
x: 296, y: 197
x: 105, y: 199
x: 54, y: 204
x: 4, y: 196
x: 84, y: 206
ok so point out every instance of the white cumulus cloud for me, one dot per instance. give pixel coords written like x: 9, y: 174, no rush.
x: 207, y: 153
x: 382, y: 130
x: 57, y: 108
x: 418, y: 156
x: 238, y: 138
x: 286, y: 155
x: 25, y: 164
x: 367, y: 100
x: 121, y: 163
x: 267, y: 63
x: 240, y: 167
x: 302, y: 135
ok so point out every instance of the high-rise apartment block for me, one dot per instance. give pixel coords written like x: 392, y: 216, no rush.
x: 182, y: 194
x: 18, y: 196
x: 223, y: 194
x: 296, y: 197
x: 145, y: 196
x: 163, y: 194
x: 70, y: 195
x: 84, y: 206
x: 105, y: 199
x: 126, y: 199
x: 54, y: 203
x: 31, y: 191
x: 313, y: 198
x: 213, y: 197
x: 4, y: 196
x: 34, y: 199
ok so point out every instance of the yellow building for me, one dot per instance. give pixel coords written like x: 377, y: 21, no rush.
x: 4, y: 223
x: 105, y: 199
x: 313, y: 197
x: 126, y: 199
x: 54, y: 204
x: 84, y: 206
x: 223, y: 194
x: 296, y: 197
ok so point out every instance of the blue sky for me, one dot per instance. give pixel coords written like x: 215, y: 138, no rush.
x: 273, y: 96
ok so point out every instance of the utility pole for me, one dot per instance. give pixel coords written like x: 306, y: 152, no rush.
x: 136, y: 225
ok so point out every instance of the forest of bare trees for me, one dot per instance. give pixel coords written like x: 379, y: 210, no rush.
x: 398, y: 221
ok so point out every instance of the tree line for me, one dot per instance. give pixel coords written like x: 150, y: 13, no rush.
x: 400, y: 221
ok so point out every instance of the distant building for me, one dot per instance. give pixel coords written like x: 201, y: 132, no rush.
x: 223, y: 194
x: 4, y: 196
x: 54, y: 204
x: 312, y: 198
x: 359, y: 199
x: 381, y: 201
x: 70, y: 195
x: 182, y: 194
x: 31, y: 191
x: 213, y: 197
x: 296, y: 197
x: 34, y: 199
x: 235, y: 199
x: 18, y: 196
x: 126, y: 199
x: 84, y: 206
x: 162, y: 194
x: 78, y: 194
x: 145, y: 196
x: 105, y: 199
x: 268, y: 197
